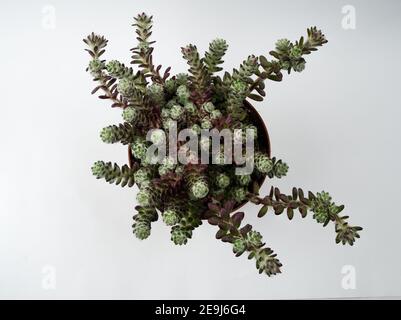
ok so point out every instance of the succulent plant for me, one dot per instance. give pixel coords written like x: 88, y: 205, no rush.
x: 171, y: 217
x: 206, y: 123
x: 180, y: 235
x: 208, y: 107
x: 199, y: 187
x: 186, y: 194
x: 123, y: 133
x: 222, y: 180
x: 239, y: 194
x: 157, y: 136
x: 183, y: 94
x: 126, y: 87
x: 142, y: 176
x: 95, y: 67
x: 283, y: 45
x: 112, y: 173
x: 139, y: 148
x: 263, y: 163
x: 176, y: 112
x: 156, y: 93
x: 244, y: 180
x: 130, y: 114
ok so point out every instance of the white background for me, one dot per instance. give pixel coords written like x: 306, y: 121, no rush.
x: 337, y: 124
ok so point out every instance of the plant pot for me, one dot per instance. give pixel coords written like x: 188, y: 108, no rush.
x: 263, y: 140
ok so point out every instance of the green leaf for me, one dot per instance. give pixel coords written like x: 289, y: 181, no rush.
x: 260, y: 91
x: 227, y: 238
x: 263, y: 62
x: 301, y: 42
x: 284, y: 198
x: 255, y: 187
x: 274, y: 54
x: 220, y: 234
x: 290, y: 213
x: 278, y: 209
x: 245, y: 229
x: 303, y: 211
x: 340, y: 208
x: 214, y: 221
x: 294, y: 193
x: 263, y: 211
x: 237, y: 218
x: 255, y: 97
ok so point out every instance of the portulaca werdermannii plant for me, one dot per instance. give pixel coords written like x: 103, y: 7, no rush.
x: 185, y: 194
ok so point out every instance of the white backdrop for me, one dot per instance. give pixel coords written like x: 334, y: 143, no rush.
x: 64, y: 234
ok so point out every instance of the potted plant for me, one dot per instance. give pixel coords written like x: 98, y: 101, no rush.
x: 154, y: 103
